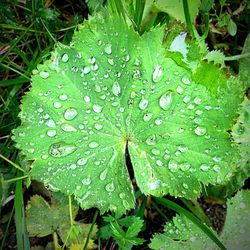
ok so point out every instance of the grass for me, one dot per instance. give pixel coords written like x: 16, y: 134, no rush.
x: 28, y: 34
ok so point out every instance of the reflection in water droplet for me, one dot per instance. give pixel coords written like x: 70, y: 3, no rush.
x: 97, y: 108
x: 44, y: 74
x: 65, y: 57
x: 103, y: 174
x: 185, y: 80
x: 110, y: 187
x: 185, y: 166
x: 204, y: 167
x: 143, y: 104
x: 70, y: 114
x: 147, y: 117
x: 200, y: 131
x: 173, y: 166
x: 51, y: 133
x: 116, y: 89
x: 61, y: 149
x: 86, y: 181
x: 151, y: 140
x: 63, y: 97
x: 157, y: 74
x: 68, y: 128
x: 57, y: 105
x: 108, y: 49
x: 166, y: 100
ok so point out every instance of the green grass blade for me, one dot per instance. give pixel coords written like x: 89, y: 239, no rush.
x: 187, y: 17
x: 15, y: 81
x: 194, y: 219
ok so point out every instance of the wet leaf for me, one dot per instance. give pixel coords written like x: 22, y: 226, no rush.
x: 110, y: 90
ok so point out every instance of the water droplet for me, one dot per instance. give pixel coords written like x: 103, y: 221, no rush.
x: 136, y: 74
x: 111, y: 61
x: 51, y: 133
x: 97, y: 108
x: 217, y: 159
x: 185, y: 185
x: 108, y: 49
x: 110, y: 187
x: 158, y: 122
x: 155, y: 151
x: 92, y: 60
x: 116, y: 89
x: 63, y: 97
x: 204, y: 167
x: 68, y: 128
x: 70, y: 114
x: 182, y: 148
x: 166, y: 100
x: 197, y: 100
x: 57, y: 105
x: 86, y: 181
x: 93, y: 144
x: 95, y: 67
x: 22, y: 134
x: 173, y: 166
x: 179, y: 90
x: 185, y: 80
x: 103, y: 174
x: 151, y: 140
x: 98, y: 126
x: 159, y: 163
x: 147, y: 117
x: 185, y: 166
x: 86, y: 70
x: 216, y: 168
x: 44, y: 74
x: 143, y: 104
x: 122, y: 195
x: 50, y: 123
x: 126, y: 58
x: 186, y: 99
x: 82, y: 161
x: 242, y: 205
x: 61, y: 149
x: 157, y: 74
x: 200, y: 131
x: 65, y: 57
x: 86, y: 99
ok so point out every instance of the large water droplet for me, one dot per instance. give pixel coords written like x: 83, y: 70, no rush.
x: 166, y: 100
x: 143, y: 104
x: 173, y: 166
x: 116, y: 89
x: 110, y: 187
x: 200, y: 131
x: 82, y: 161
x: 68, y: 128
x: 157, y: 74
x: 44, y: 74
x: 70, y: 114
x: 65, y: 57
x: 151, y: 140
x: 103, y: 174
x: 97, y: 108
x: 61, y: 149
x: 108, y: 49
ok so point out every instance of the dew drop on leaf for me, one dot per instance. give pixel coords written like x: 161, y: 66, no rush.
x: 98, y: 126
x: 103, y: 174
x: 204, y: 167
x: 108, y: 49
x: 70, y: 114
x: 143, y: 104
x: 63, y: 97
x: 116, y: 89
x: 51, y: 133
x: 111, y: 61
x: 50, y: 123
x: 65, y: 57
x: 97, y: 108
x: 68, y: 128
x: 82, y: 161
x: 151, y: 140
x: 200, y: 131
x: 44, y: 74
x: 185, y: 80
x: 185, y: 166
x: 86, y: 99
x: 173, y: 166
x: 61, y: 149
x: 147, y: 117
x: 93, y: 144
x: 157, y: 74
x: 179, y: 90
x: 86, y: 181
x: 57, y: 105
x: 110, y: 187
x: 159, y: 163
x: 166, y: 100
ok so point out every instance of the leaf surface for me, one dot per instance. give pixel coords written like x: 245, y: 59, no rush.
x: 112, y: 89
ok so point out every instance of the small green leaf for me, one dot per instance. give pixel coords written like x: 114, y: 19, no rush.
x: 110, y: 91
x: 232, y: 27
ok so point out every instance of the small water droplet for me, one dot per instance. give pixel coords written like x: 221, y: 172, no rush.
x: 185, y: 166
x: 185, y: 80
x: 98, y: 126
x: 70, y: 114
x: 44, y: 74
x: 57, y: 105
x: 147, y: 117
x: 179, y: 90
x: 200, y: 131
x: 173, y: 166
x: 63, y: 97
x: 116, y: 89
x: 92, y: 60
x: 159, y: 163
x: 182, y: 148
x: 155, y: 151
x: 186, y: 99
x: 50, y: 123
x: 93, y: 144
x: 122, y: 195
x: 185, y: 185
x: 111, y: 61
x: 86, y: 70
x: 157, y: 74
x: 51, y: 133
x: 103, y: 174
x: 197, y: 100
x: 204, y: 167
x: 97, y: 108
x: 143, y: 104
x: 158, y: 122
x: 86, y: 99
x: 110, y: 187
x: 86, y: 181
x: 82, y: 161
x: 151, y: 140
x: 216, y: 168
x: 166, y: 100
x: 108, y: 49
x: 61, y: 149
x: 65, y: 57
x: 68, y: 128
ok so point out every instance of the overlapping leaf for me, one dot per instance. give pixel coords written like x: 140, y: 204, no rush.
x: 112, y: 89
x: 181, y: 233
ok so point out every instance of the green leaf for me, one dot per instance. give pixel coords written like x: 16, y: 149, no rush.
x: 175, y: 8
x: 232, y: 27
x: 181, y: 233
x: 111, y: 90
x: 44, y: 219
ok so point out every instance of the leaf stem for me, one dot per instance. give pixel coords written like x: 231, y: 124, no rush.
x: 237, y: 57
x: 16, y: 179
x: 70, y: 212
x: 194, y: 219
x: 12, y: 163
x: 206, y: 19
x: 187, y: 18
x: 91, y: 229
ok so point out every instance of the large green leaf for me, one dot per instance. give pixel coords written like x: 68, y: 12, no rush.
x: 181, y: 233
x: 112, y: 89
